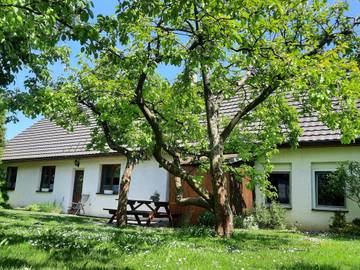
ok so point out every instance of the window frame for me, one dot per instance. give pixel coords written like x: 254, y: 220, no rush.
x: 285, y: 205
x: 102, y: 184
x: 7, y: 178
x: 42, y: 178
x: 315, y: 204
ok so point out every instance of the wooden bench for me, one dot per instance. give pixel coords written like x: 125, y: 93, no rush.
x: 150, y: 214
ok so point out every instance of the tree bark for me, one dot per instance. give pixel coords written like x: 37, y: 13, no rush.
x: 181, y: 200
x: 121, y: 216
x: 222, y: 208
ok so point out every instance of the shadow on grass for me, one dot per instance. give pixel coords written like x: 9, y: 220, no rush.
x: 22, y: 215
x: 12, y: 263
x: 308, y: 266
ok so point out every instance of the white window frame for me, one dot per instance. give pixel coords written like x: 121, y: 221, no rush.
x: 315, y: 206
x: 99, y: 192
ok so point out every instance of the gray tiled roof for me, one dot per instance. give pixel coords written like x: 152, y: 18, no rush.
x: 46, y: 140
x: 313, y: 129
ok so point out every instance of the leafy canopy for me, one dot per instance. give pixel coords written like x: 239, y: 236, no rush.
x: 261, y: 56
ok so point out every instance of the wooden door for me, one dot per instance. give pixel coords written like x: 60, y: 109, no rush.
x: 78, y: 184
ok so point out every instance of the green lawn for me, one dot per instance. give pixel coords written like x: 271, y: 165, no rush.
x: 44, y: 241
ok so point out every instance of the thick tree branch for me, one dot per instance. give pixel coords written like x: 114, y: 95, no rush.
x: 251, y: 106
x: 173, y: 167
x: 197, y: 201
x: 107, y: 130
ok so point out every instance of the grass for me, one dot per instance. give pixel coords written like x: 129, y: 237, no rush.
x: 30, y: 240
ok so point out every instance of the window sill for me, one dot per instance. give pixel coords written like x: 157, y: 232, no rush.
x: 39, y: 191
x: 102, y: 193
x: 284, y: 206
x: 330, y: 209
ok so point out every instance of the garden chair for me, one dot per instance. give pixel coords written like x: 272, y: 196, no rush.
x: 77, y: 207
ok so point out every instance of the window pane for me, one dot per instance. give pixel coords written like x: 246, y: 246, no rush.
x: 326, y: 196
x: 281, y: 183
x: 47, y: 177
x: 11, y: 174
x: 110, y: 178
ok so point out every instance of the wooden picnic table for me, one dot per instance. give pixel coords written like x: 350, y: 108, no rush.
x: 152, y: 210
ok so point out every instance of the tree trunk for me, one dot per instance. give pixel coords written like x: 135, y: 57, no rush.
x: 121, y: 217
x: 222, y: 209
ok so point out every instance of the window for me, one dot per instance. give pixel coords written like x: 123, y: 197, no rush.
x: 325, y: 196
x: 11, y: 173
x: 281, y: 182
x: 110, y: 178
x: 47, y: 178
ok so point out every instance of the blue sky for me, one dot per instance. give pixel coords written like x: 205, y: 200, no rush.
x: 105, y: 7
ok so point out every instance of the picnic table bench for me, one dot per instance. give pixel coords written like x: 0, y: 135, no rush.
x: 152, y: 210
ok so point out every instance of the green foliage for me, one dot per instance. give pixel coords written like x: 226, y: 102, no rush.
x: 346, y: 180
x: 339, y: 225
x: 272, y: 217
x: 30, y: 35
x: 207, y: 219
x: 338, y: 221
x: 356, y: 222
x: 238, y: 222
x: 262, y: 53
x: 47, y: 207
x: 3, y: 184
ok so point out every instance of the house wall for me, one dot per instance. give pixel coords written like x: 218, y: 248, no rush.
x: 302, y: 163
x: 146, y: 179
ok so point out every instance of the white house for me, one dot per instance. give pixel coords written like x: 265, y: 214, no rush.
x: 46, y: 164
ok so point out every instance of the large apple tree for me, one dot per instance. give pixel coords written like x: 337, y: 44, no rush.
x: 263, y: 57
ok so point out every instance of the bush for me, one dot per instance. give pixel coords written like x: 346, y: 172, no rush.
x: 238, y: 222
x: 338, y: 221
x: 339, y: 225
x: 48, y: 207
x: 356, y: 222
x: 272, y: 217
x: 207, y: 219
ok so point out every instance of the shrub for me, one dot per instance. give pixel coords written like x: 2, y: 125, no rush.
x: 238, y: 222
x: 207, y: 219
x: 272, y: 217
x: 356, y: 222
x: 48, y: 207
x: 339, y: 225
x: 338, y: 222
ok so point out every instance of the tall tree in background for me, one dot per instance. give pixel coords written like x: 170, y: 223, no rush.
x: 29, y: 35
x: 260, y: 54
x: 3, y: 183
